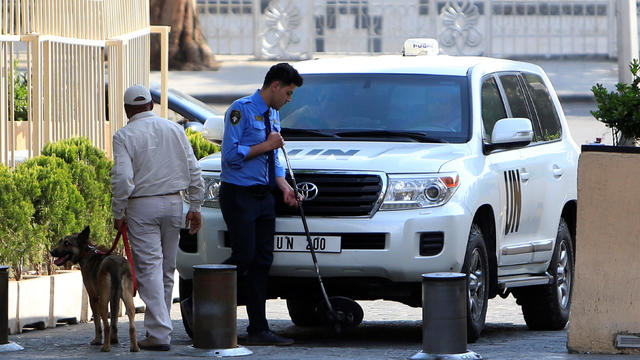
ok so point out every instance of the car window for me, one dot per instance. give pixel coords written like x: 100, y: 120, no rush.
x: 492, y: 107
x: 515, y: 96
x: 435, y: 105
x: 546, y: 111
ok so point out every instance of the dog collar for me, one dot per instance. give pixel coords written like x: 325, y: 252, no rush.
x: 93, y: 249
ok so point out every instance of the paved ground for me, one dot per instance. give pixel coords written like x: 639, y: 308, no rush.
x: 390, y: 331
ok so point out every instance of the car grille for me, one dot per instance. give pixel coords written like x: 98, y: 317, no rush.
x: 338, y: 194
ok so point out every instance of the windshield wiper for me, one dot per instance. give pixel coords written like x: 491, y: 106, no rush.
x: 414, y: 135
x: 308, y: 132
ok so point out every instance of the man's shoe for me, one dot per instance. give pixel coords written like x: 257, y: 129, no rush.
x: 268, y: 337
x: 147, y: 344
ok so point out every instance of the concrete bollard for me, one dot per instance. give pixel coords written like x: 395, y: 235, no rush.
x: 5, y: 345
x: 444, y: 317
x: 215, y: 311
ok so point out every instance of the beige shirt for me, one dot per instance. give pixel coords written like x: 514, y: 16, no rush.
x: 152, y: 156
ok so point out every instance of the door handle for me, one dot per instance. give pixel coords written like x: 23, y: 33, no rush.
x: 557, y: 171
x: 524, y: 175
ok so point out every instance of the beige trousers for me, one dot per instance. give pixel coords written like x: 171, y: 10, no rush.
x: 153, y: 225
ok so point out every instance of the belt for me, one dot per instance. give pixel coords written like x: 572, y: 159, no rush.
x: 254, y: 189
x: 167, y: 194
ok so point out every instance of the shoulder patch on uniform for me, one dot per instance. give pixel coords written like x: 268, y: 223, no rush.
x: 258, y: 117
x: 235, y: 117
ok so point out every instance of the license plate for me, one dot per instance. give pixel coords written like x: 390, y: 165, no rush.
x: 299, y: 243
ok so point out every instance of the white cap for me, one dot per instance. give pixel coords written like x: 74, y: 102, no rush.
x: 137, y: 95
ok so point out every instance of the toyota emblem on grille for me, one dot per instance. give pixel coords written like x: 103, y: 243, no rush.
x: 308, y: 190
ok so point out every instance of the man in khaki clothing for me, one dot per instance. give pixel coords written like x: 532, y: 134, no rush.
x: 152, y: 162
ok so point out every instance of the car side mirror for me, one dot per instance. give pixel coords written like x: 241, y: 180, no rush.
x: 510, y: 133
x: 213, y: 129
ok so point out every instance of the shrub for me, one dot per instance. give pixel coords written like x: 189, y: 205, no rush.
x: 91, y: 174
x: 59, y: 208
x: 620, y: 110
x: 201, y: 146
x: 17, y: 242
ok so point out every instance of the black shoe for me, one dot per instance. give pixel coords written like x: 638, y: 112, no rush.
x: 268, y: 337
x: 146, y: 344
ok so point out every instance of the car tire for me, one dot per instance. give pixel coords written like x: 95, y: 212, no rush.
x: 476, y: 267
x: 304, y: 312
x: 185, y: 290
x: 546, y: 307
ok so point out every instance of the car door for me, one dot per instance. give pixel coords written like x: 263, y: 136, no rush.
x: 546, y: 160
x: 520, y: 204
x: 506, y: 166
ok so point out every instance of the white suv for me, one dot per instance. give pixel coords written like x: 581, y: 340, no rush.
x: 420, y: 164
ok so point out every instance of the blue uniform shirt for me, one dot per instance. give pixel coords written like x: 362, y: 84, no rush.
x: 244, y: 127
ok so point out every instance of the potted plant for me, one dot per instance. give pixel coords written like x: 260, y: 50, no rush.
x: 607, y: 229
x: 620, y: 109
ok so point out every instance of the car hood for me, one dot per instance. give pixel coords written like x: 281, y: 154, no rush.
x: 363, y: 156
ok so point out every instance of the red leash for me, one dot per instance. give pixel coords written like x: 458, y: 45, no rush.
x: 127, y: 249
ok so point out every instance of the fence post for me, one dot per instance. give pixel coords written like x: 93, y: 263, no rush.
x: 5, y: 345
x: 444, y: 317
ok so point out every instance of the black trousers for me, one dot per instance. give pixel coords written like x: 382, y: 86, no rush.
x: 249, y: 212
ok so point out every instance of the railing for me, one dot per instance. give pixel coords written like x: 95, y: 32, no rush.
x: 502, y: 28
x: 64, y: 65
x: 78, y: 19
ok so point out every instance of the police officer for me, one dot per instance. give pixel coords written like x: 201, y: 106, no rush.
x: 250, y: 171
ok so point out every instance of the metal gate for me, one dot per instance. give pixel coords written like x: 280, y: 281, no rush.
x: 294, y: 29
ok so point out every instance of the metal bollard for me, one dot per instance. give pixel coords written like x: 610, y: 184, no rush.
x: 215, y: 311
x: 4, y: 305
x: 444, y: 317
x: 5, y: 345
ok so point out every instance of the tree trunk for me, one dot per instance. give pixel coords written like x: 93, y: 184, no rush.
x: 188, y: 48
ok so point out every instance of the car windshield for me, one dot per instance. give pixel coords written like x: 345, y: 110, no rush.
x: 379, y: 107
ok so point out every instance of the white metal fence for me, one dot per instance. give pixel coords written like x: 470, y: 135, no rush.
x: 501, y: 28
x: 64, y: 65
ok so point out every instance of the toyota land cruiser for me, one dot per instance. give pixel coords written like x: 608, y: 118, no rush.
x: 413, y: 164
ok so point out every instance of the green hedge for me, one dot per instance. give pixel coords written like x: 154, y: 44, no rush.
x: 201, y: 146
x: 16, y: 230
x: 91, y: 174
x: 50, y: 196
x: 57, y: 193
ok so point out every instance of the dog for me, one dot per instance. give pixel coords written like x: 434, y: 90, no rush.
x: 107, y: 278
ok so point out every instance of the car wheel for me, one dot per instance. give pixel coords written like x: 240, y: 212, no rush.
x: 304, y: 312
x: 546, y: 307
x: 185, y: 289
x: 476, y: 267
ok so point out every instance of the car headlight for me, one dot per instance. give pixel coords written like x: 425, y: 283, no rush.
x: 211, y: 191
x: 415, y: 192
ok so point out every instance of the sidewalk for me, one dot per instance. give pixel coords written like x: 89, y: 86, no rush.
x: 239, y: 76
x: 390, y: 331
